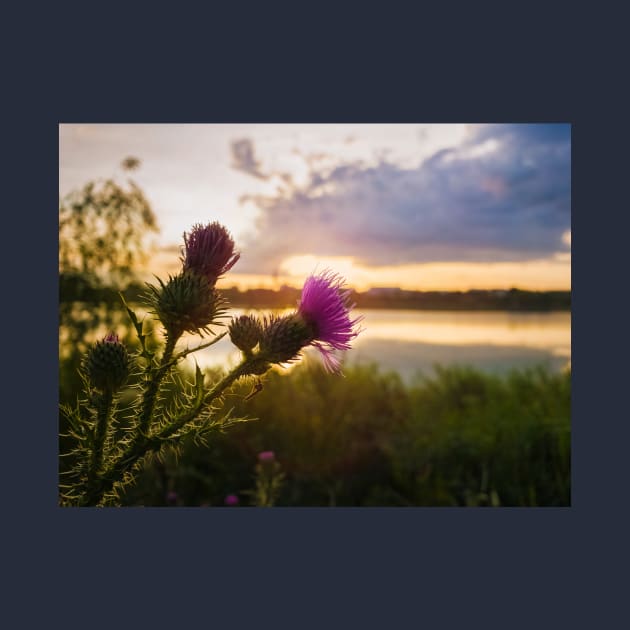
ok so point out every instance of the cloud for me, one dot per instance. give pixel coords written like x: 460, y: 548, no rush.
x: 502, y: 195
x: 243, y: 158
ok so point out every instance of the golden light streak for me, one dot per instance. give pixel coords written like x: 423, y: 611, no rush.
x: 548, y: 331
x: 536, y: 275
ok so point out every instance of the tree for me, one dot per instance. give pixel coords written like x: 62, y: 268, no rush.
x: 103, y: 230
x: 102, y: 233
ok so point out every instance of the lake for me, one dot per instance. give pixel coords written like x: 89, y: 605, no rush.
x: 412, y: 342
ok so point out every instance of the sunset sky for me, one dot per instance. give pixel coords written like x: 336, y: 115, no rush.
x: 418, y: 206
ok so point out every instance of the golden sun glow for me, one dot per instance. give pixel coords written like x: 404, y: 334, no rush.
x: 548, y: 274
x: 536, y: 275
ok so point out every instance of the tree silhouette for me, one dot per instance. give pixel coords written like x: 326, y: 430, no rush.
x: 102, y: 232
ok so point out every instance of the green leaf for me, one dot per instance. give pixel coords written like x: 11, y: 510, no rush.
x: 140, y: 329
x: 200, y: 390
x: 134, y: 319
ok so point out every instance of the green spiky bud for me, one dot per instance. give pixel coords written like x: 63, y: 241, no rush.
x: 187, y: 303
x: 107, y: 364
x: 284, y: 337
x: 245, y: 332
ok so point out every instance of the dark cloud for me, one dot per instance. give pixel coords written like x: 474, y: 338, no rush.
x: 504, y: 194
x: 243, y: 158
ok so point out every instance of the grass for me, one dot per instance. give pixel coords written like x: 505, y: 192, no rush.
x: 459, y: 438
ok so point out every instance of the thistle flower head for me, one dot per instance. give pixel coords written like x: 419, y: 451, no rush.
x: 231, y: 500
x: 284, y: 337
x: 209, y: 251
x: 266, y: 456
x: 107, y: 364
x: 187, y: 303
x: 325, y: 306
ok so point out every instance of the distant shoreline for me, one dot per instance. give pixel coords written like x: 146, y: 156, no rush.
x: 399, y: 299
x: 74, y: 289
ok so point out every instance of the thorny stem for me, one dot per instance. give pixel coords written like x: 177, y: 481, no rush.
x: 103, y: 410
x: 146, y: 443
x: 150, y: 393
x: 93, y: 494
x: 213, y: 394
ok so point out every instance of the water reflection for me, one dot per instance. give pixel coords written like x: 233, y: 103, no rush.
x: 412, y: 341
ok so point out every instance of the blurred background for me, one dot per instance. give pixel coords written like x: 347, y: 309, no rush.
x: 456, y: 242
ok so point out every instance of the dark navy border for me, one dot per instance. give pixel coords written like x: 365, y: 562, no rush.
x: 302, y: 568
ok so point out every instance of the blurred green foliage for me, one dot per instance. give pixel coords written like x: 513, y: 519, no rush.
x: 103, y: 230
x: 460, y: 438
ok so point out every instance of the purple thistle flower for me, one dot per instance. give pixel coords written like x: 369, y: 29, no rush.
x: 112, y: 337
x: 325, y: 306
x: 266, y: 456
x: 209, y: 251
x: 231, y: 500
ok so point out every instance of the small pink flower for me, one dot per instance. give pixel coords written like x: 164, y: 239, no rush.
x: 266, y: 456
x: 231, y: 500
x: 112, y: 337
x: 325, y: 306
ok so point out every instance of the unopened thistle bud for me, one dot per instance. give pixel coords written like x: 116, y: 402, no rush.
x: 245, y: 332
x: 284, y: 337
x: 187, y: 303
x: 107, y: 364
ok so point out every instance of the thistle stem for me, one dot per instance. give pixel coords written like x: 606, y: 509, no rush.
x: 148, y: 404
x: 97, y: 485
x: 103, y: 411
x: 145, y: 443
x: 240, y: 370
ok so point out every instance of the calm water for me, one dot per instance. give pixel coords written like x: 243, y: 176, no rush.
x: 415, y: 341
